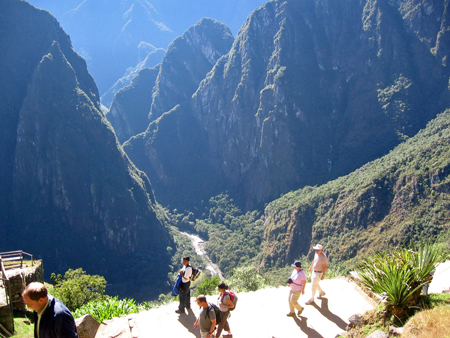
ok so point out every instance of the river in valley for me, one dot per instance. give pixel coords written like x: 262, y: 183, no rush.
x: 199, y: 246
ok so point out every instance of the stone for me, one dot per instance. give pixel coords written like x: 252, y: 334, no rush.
x: 396, y: 331
x: 354, y: 321
x: 87, y: 326
x: 378, y: 334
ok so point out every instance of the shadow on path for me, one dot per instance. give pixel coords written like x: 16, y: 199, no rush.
x: 188, y: 322
x: 302, y: 323
x: 323, y: 309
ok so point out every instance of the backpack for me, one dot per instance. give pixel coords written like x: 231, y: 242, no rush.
x: 216, y: 311
x: 233, y: 298
x: 195, y: 273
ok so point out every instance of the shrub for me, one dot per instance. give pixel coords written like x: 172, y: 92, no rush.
x: 77, y: 288
x: 208, y: 286
x: 246, y: 279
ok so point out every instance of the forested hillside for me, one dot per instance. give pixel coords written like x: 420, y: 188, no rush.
x: 401, y: 197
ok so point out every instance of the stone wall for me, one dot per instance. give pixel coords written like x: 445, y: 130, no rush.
x: 18, y: 279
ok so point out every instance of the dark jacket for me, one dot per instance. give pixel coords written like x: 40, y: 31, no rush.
x: 56, y: 321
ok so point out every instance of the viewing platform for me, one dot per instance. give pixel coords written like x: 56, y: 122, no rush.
x: 15, y: 272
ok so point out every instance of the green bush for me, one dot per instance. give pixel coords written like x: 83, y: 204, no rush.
x: 78, y: 288
x: 246, y: 279
x: 208, y: 286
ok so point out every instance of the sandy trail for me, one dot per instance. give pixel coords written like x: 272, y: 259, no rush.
x: 262, y: 314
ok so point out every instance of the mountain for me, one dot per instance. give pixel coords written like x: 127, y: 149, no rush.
x: 403, y: 196
x: 187, y: 61
x: 112, y: 34
x: 69, y: 194
x: 131, y: 105
x: 310, y: 91
x: 152, y: 59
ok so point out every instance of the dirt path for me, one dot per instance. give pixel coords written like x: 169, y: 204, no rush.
x: 441, y: 278
x: 262, y: 314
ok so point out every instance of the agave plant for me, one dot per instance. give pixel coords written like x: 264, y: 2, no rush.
x: 399, y: 276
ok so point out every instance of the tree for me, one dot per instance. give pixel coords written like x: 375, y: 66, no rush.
x: 78, y: 288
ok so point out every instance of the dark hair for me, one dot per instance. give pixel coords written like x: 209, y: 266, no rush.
x: 186, y: 258
x: 35, y: 291
x: 201, y: 299
x: 222, y: 285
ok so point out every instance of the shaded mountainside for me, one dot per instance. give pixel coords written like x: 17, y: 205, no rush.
x: 113, y: 35
x: 402, y: 196
x: 69, y: 194
x: 187, y: 61
x: 310, y: 91
x: 131, y: 105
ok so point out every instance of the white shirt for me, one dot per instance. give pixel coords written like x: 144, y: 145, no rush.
x: 187, y: 272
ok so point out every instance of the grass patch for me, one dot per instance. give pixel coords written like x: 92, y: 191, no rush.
x: 430, y: 323
x: 430, y: 319
x: 23, y: 328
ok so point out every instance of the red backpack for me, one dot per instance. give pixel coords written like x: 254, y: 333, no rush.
x: 233, y: 298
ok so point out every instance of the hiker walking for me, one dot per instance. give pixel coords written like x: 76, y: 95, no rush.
x: 225, y: 304
x: 318, y: 269
x: 185, y: 292
x: 206, y: 319
x: 297, y: 283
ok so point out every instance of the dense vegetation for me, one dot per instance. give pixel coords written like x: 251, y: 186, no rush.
x: 233, y: 237
x: 399, y: 198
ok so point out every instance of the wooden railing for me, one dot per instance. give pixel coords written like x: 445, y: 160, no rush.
x: 7, y: 286
x: 10, y: 256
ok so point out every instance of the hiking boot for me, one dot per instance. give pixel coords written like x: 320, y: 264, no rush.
x: 291, y: 314
x: 320, y: 296
x: 299, y: 312
x: 309, y: 302
x: 179, y: 311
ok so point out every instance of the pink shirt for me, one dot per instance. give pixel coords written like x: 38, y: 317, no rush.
x: 299, y: 279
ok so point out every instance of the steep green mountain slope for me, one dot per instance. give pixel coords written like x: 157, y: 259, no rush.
x: 187, y: 61
x: 310, y: 91
x: 402, y: 196
x: 69, y: 194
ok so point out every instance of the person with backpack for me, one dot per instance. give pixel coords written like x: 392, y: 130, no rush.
x: 185, y: 291
x: 297, y: 283
x: 206, y: 319
x: 225, y: 304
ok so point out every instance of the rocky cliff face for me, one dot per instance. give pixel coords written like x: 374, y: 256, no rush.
x: 69, y: 193
x: 129, y: 112
x: 187, y: 61
x: 310, y: 91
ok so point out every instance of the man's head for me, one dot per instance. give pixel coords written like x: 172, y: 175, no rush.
x: 318, y: 249
x: 35, y: 296
x: 201, y: 301
x: 297, y: 265
x: 186, y: 260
